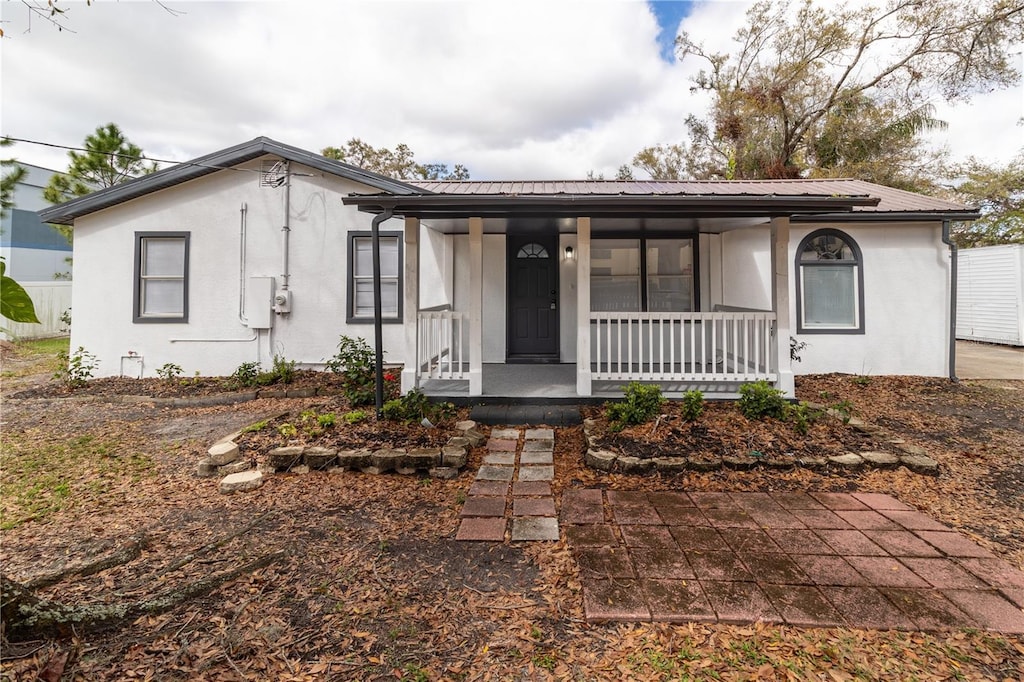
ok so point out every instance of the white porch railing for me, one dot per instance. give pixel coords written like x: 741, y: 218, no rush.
x: 443, y: 345
x: 685, y: 347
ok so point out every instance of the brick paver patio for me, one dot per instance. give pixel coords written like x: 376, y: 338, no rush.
x: 862, y: 560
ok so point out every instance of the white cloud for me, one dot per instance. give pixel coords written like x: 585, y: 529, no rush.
x: 528, y: 89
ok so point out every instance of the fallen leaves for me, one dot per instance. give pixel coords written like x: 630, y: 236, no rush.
x: 374, y: 586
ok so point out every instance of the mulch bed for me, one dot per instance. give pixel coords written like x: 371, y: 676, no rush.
x: 367, y: 433
x: 326, y: 383
x: 722, y: 431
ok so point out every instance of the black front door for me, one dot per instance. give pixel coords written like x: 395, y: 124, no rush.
x: 532, y: 298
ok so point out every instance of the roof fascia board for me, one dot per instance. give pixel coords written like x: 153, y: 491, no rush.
x: 65, y: 213
x: 887, y: 216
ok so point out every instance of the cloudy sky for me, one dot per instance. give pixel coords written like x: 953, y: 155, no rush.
x: 525, y: 89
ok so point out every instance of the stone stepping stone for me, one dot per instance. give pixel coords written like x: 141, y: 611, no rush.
x: 501, y: 445
x: 534, y: 528
x: 536, y: 473
x: 536, y: 458
x: 481, y: 529
x: 500, y: 458
x: 539, y: 446
x: 494, y: 473
x: 533, y: 506
x: 483, y: 506
x: 540, y: 434
x: 530, y: 488
x: 505, y: 434
x: 240, y: 482
x: 489, y: 488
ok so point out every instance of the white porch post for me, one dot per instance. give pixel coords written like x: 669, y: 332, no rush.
x: 411, y: 305
x: 583, y: 374
x: 476, y: 306
x: 780, y: 303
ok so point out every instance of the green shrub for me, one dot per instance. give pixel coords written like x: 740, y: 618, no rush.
x: 761, y: 400
x: 355, y: 362
x: 326, y: 420
x: 354, y: 417
x: 692, y: 405
x: 413, y: 406
x: 641, y: 404
x: 287, y: 430
x: 802, y: 415
x: 169, y: 371
x: 283, y: 370
x: 247, y: 374
x: 75, y: 369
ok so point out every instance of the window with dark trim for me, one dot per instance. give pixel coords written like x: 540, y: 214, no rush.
x: 829, y: 284
x: 360, y: 277
x: 161, y: 277
x: 637, y: 275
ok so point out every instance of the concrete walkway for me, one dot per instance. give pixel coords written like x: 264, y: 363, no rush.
x: 862, y: 560
x: 514, y: 483
x: 989, y: 361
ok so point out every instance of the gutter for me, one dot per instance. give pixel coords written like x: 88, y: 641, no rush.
x: 952, y: 297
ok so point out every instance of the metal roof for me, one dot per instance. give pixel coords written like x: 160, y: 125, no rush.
x: 65, y: 213
x: 888, y: 198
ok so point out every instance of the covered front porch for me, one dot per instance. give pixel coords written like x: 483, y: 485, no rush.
x: 523, y: 267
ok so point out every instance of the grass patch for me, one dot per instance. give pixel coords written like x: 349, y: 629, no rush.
x: 37, y: 355
x: 38, y: 479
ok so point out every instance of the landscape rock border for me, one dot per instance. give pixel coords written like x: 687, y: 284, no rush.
x: 224, y: 459
x: 913, y: 457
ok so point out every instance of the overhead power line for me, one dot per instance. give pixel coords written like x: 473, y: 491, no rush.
x: 193, y: 164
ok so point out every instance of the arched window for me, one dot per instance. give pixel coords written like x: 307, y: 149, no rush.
x: 532, y: 250
x: 830, y: 284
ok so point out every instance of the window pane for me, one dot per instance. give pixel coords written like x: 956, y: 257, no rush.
x: 532, y: 251
x: 829, y: 296
x: 615, y: 275
x: 163, y: 297
x: 669, y: 275
x: 363, y: 298
x: 615, y: 257
x: 362, y: 258
x: 827, y: 247
x: 615, y: 294
x: 164, y: 257
x: 388, y: 257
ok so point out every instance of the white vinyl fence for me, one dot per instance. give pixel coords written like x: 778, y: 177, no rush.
x: 51, y: 300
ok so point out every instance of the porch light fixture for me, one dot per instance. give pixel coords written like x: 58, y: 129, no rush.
x: 569, y: 253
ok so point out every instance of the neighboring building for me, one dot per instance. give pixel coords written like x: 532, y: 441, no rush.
x: 265, y: 249
x: 990, y: 294
x: 33, y: 250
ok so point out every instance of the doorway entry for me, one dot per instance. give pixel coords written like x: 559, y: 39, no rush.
x: 532, y: 298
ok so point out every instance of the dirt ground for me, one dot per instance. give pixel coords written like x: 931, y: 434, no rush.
x: 371, y: 584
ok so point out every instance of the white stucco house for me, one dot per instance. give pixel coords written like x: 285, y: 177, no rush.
x: 578, y: 286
